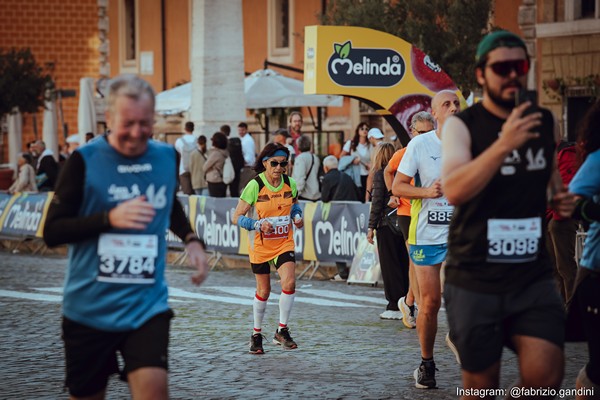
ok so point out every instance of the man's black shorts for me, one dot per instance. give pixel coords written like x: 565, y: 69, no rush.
x: 91, y: 354
x: 481, y: 324
x: 265, y: 268
x: 404, y: 226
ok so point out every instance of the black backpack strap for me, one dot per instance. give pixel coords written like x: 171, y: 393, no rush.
x: 286, y: 180
x: 260, y: 182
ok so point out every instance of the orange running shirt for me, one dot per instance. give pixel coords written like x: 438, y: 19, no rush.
x: 404, y: 207
x: 274, y: 204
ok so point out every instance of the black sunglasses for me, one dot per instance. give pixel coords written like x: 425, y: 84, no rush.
x: 275, y: 163
x: 504, y: 68
x: 420, y: 132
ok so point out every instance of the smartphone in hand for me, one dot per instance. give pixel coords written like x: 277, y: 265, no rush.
x: 525, y: 95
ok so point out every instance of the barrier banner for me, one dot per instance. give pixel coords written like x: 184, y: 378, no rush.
x: 25, y: 214
x: 211, y: 220
x: 5, y: 199
x: 336, y: 229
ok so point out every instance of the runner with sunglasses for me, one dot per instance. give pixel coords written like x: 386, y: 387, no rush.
x: 496, y: 169
x: 274, y: 197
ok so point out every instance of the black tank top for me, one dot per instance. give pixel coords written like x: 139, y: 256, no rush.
x: 496, y: 241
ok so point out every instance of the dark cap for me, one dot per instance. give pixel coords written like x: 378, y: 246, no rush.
x: 497, y: 39
x: 283, y: 132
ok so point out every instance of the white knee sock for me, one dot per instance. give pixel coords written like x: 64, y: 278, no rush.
x: 286, y: 302
x: 258, y: 307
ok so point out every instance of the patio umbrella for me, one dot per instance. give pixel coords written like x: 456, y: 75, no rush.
x: 174, y: 101
x: 86, y: 113
x: 266, y: 88
x: 50, y: 129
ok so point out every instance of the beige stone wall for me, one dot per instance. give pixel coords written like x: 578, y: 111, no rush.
x: 567, y: 57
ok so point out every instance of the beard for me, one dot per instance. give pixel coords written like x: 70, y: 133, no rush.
x: 496, y: 95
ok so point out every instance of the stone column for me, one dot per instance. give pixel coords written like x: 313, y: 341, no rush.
x: 217, y: 65
x: 527, y: 21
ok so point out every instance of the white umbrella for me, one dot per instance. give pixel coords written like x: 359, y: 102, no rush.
x: 50, y: 130
x: 266, y: 88
x: 15, y: 138
x: 86, y: 113
x: 174, y: 101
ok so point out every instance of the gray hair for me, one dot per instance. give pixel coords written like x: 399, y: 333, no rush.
x: 128, y: 85
x: 330, y: 162
x: 304, y: 143
x: 421, y: 116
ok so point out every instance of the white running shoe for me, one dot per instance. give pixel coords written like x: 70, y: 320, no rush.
x: 409, y: 314
x: 390, y: 314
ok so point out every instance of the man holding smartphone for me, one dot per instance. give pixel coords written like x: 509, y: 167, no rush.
x: 498, y: 160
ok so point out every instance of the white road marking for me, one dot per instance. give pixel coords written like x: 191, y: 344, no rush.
x: 30, y: 296
x: 244, y: 296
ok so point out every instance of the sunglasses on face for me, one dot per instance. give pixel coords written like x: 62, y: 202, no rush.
x: 275, y: 164
x: 504, y: 68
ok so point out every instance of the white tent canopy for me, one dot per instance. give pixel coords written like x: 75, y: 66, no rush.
x: 265, y: 88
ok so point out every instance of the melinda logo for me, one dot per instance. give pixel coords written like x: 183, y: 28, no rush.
x: 365, y: 67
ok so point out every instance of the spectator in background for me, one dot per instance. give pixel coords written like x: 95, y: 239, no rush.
x: 338, y: 186
x: 226, y: 130
x: 234, y: 147
x: 25, y: 181
x: 185, y: 145
x: 72, y: 143
x: 306, y: 171
x: 89, y: 136
x: 197, y: 160
x: 213, y: 168
x: 360, y: 148
x: 586, y: 186
x: 295, y: 121
x: 562, y: 232
x: 249, y: 154
x: 375, y: 137
x: 393, y: 256
x: 47, y: 167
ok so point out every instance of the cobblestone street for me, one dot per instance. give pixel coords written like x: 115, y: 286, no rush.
x: 345, y: 350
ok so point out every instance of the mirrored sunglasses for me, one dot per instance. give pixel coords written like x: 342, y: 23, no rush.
x: 504, y: 68
x: 275, y: 163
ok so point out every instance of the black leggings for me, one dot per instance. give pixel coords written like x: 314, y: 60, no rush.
x: 217, y: 189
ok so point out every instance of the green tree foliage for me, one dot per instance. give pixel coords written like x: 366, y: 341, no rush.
x: 447, y: 30
x: 22, y: 81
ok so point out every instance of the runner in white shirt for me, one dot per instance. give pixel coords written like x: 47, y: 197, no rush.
x: 430, y: 217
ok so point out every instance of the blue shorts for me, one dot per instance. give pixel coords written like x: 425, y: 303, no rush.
x: 431, y: 254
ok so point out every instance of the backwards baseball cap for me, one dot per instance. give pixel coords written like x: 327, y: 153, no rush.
x: 496, y: 39
x: 375, y: 133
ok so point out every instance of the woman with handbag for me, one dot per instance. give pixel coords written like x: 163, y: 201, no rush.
x: 214, y: 165
x: 383, y: 220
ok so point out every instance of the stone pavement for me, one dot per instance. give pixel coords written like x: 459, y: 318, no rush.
x: 345, y: 350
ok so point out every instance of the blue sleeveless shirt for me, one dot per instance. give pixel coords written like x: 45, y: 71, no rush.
x: 115, y: 282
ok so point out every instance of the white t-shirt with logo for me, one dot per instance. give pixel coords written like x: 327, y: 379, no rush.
x: 185, y: 145
x: 430, y: 218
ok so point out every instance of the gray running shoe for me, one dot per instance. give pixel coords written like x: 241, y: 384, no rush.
x: 256, y: 346
x: 425, y: 375
x: 282, y: 337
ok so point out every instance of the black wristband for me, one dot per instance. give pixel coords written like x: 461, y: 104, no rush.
x: 195, y: 239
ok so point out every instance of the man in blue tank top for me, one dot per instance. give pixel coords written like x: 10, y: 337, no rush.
x: 497, y: 164
x: 114, y: 201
